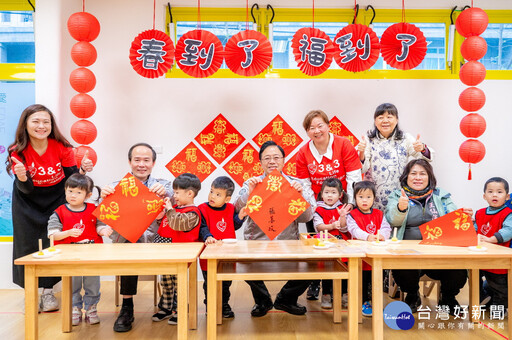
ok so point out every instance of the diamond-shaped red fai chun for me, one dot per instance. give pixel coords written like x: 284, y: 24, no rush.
x: 192, y: 160
x: 280, y: 132
x: 338, y: 128
x: 244, y: 164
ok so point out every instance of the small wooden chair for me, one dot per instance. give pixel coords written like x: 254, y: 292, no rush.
x: 157, y: 291
x: 428, y: 286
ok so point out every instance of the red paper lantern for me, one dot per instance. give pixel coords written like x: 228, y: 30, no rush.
x: 472, y: 99
x: 83, y: 26
x: 472, y: 21
x: 472, y: 125
x: 472, y: 73
x: 473, y: 48
x: 80, y: 152
x: 82, y: 105
x: 313, y: 50
x: 83, y: 132
x: 152, y: 53
x: 472, y: 151
x: 403, y: 46
x: 83, y: 53
x: 356, y: 47
x: 248, y: 53
x: 82, y: 80
x: 199, y: 53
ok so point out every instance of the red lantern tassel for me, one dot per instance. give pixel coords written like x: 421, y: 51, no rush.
x: 469, y: 173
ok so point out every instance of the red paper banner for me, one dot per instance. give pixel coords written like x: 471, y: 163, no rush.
x: 338, y: 128
x: 152, y: 53
x: 199, y: 53
x: 403, y: 46
x: 453, y: 229
x: 130, y: 209
x: 280, y: 132
x: 290, y: 167
x: 248, y: 53
x: 192, y: 160
x: 313, y: 50
x: 356, y: 48
x: 220, y: 138
x: 274, y: 204
x: 244, y: 165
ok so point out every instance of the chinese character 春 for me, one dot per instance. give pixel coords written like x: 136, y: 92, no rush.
x: 219, y: 126
x: 151, y: 53
x: 335, y: 127
x: 315, y: 52
x: 129, y: 186
x: 248, y: 46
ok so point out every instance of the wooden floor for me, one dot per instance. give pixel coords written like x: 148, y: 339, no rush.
x: 316, y: 324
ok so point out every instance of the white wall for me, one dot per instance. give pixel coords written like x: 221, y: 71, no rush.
x: 171, y: 112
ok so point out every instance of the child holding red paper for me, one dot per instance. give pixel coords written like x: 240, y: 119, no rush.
x: 73, y: 222
x: 222, y: 221
x: 182, y: 223
x: 369, y: 224
x: 494, y: 225
x: 330, y: 216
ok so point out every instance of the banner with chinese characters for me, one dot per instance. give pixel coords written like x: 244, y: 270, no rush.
x: 152, y: 53
x: 244, y: 165
x: 199, y: 53
x: 280, y: 132
x: 338, y: 128
x: 357, y: 48
x: 248, y: 53
x: 453, y: 229
x: 403, y: 46
x: 274, y: 204
x: 313, y: 50
x: 290, y: 167
x: 191, y: 160
x: 220, y: 138
x: 130, y: 209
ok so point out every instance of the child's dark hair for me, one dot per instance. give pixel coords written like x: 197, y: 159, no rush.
x: 363, y: 185
x: 333, y: 183
x: 224, y: 183
x: 82, y: 182
x: 187, y: 181
x: 497, y: 180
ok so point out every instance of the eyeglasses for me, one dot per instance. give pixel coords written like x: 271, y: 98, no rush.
x: 318, y: 127
x: 275, y: 159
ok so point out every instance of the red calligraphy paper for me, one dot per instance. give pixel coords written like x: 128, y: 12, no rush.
x: 290, y: 167
x: 248, y: 53
x: 357, y: 48
x: 199, y: 53
x: 244, y: 165
x: 403, y: 46
x: 280, y: 132
x: 130, y: 209
x: 220, y: 138
x: 152, y: 53
x: 191, y: 160
x: 274, y: 204
x: 453, y: 229
x: 313, y: 50
x: 338, y: 128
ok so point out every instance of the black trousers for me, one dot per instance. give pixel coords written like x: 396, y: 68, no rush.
x: 129, y: 285
x: 288, y: 294
x: 452, y: 281
x: 226, y: 294
x: 498, y: 287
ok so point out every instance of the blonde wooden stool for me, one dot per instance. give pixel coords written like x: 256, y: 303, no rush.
x: 428, y: 286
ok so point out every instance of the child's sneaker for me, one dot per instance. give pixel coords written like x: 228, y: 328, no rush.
x: 48, y: 302
x: 367, y: 308
x: 76, y: 316
x: 326, y: 301
x: 173, y: 319
x: 344, y: 300
x: 91, y: 315
x: 227, y: 312
x: 161, y: 315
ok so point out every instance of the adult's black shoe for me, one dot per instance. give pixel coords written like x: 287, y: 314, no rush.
x: 413, y: 300
x: 227, y: 312
x: 124, y: 320
x: 260, y: 310
x: 294, y: 309
x: 313, y: 291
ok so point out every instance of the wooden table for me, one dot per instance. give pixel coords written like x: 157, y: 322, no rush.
x: 282, y: 260
x: 114, y: 259
x: 412, y: 255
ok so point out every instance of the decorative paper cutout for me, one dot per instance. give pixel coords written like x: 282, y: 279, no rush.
x: 199, y: 53
x: 244, y: 165
x: 280, y: 132
x: 290, y: 167
x: 453, y: 229
x: 338, y: 128
x: 403, y: 46
x: 191, y: 160
x: 356, y: 47
x: 220, y: 138
x: 313, y: 50
x: 152, y: 53
x: 248, y: 53
x: 130, y: 209
x: 274, y: 204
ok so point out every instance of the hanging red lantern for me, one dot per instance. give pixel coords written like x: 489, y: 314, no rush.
x: 473, y: 125
x: 83, y: 26
x: 313, y: 50
x: 82, y: 80
x: 472, y: 99
x: 152, y: 53
x: 83, y: 53
x: 83, y: 132
x: 472, y: 73
x: 82, y: 105
x: 403, y: 46
x: 473, y: 48
x: 199, y: 53
x: 356, y: 47
x: 80, y: 153
x: 248, y: 53
x: 472, y: 21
